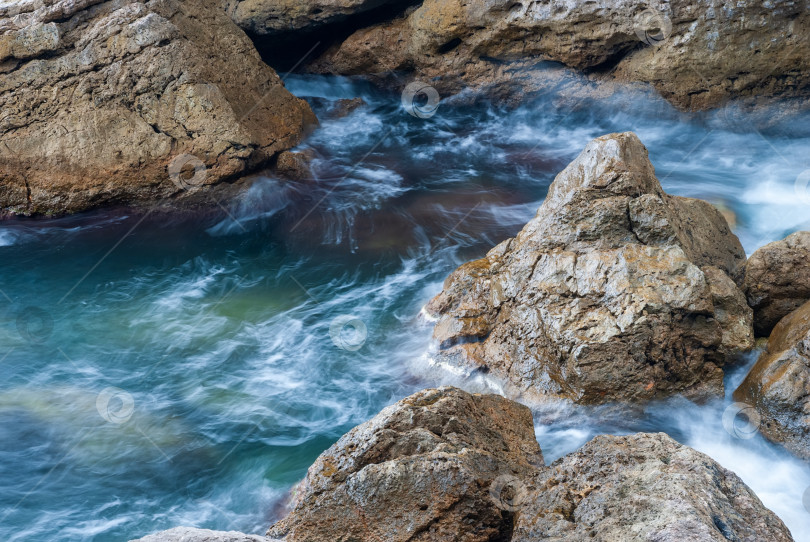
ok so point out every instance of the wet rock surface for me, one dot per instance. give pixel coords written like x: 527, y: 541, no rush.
x: 777, y: 280
x: 445, y: 465
x: 615, y: 291
x: 696, y: 55
x: 778, y: 386
x: 638, y: 488
x: 419, y: 470
x: 100, y: 98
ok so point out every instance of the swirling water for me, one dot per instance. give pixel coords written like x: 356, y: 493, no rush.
x: 164, y: 370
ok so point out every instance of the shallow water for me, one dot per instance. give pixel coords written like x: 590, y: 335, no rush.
x: 239, y: 346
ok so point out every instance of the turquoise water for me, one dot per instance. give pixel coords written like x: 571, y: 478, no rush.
x: 163, y: 370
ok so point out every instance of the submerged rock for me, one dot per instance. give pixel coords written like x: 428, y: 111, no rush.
x: 778, y: 385
x: 295, y: 165
x: 696, y: 54
x: 777, y: 280
x: 615, y: 291
x: 100, y: 99
x: 639, y: 488
x: 422, y: 469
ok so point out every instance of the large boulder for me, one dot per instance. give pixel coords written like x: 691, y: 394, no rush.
x: 777, y: 280
x: 615, y: 291
x: 778, y: 386
x: 422, y: 469
x: 99, y: 98
x: 697, y: 54
x: 639, y: 488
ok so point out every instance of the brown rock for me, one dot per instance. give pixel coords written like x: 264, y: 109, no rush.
x: 345, y: 107
x: 777, y: 280
x: 295, y: 165
x: 98, y: 98
x: 420, y: 470
x: 778, y: 386
x: 639, y: 488
x: 713, y: 51
x: 273, y: 17
x: 614, y: 291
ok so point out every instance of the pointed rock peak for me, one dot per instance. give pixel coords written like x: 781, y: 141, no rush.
x: 611, y: 165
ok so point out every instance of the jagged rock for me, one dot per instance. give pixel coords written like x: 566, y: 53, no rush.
x: 190, y: 534
x: 778, y: 385
x: 696, y: 54
x: 420, y: 470
x: 345, y: 107
x: 446, y: 465
x: 98, y: 98
x: 273, y: 17
x: 777, y: 280
x: 295, y: 165
x: 640, y: 488
x: 615, y: 291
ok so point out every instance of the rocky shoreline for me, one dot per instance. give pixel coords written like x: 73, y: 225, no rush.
x: 130, y: 102
x: 109, y: 103
x: 696, y: 55
x: 446, y: 465
x: 616, y: 293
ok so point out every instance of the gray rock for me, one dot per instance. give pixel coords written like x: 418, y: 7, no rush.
x: 615, y: 291
x: 445, y: 465
x: 420, y: 470
x: 641, y: 488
